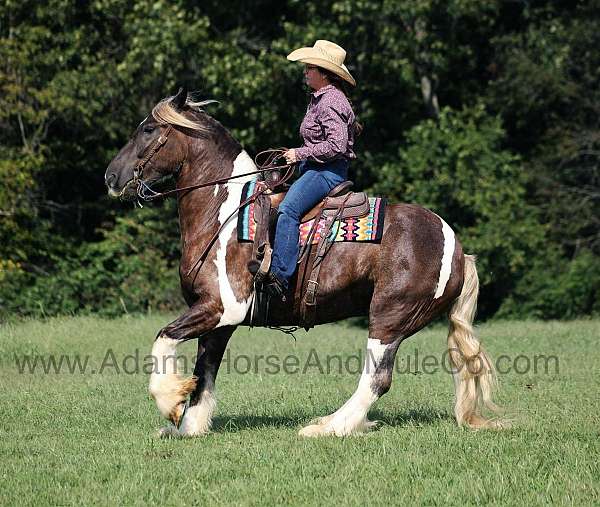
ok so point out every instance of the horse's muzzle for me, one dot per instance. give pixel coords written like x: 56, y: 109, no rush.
x: 127, y: 193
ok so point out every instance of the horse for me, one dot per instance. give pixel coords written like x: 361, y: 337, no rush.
x: 415, y: 273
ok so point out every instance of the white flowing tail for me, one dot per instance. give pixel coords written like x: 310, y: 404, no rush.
x: 473, y: 370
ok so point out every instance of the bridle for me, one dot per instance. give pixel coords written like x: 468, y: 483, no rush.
x: 158, y: 144
x: 271, y: 162
x: 146, y: 193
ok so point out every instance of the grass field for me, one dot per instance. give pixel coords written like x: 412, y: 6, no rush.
x: 89, y: 438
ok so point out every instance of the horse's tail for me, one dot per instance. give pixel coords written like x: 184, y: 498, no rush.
x: 473, y: 370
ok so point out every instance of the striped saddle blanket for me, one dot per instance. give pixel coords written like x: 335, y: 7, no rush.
x: 367, y: 228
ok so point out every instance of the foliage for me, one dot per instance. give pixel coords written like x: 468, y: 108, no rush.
x: 506, y: 92
x: 129, y: 270
x: 546, y: 90
x: 456, y: 167
x: 557, y: 290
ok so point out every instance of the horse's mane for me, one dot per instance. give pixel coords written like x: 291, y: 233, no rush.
x: 164, y: 112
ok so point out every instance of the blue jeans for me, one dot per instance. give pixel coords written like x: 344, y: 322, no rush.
x: 314, y: 184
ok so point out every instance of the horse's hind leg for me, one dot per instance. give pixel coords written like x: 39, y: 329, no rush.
x: 374, y: 382
x: 197, y: 418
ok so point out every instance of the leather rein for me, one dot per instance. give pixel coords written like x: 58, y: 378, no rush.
x: 146, y: 193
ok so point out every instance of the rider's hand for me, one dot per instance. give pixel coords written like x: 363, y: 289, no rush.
x: 290, y: 156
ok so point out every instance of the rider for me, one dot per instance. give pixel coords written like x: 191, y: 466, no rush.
x: 328, y: 130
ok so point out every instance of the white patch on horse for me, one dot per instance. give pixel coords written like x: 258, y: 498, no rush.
x: 216, y: 190
x: 198, y: 419
x: 234, y: 311
x: 164, y: 353
x: 446, y: 266
x: 143, y: 120
x: 352, y: 416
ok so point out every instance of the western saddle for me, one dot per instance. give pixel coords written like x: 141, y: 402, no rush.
x: 340, y: 203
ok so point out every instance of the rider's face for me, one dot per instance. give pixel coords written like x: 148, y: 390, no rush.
x: 314, y: 78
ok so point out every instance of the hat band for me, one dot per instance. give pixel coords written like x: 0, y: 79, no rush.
x: 327, y: 56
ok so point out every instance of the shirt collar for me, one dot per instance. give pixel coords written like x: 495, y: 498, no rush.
x: 323, y: 90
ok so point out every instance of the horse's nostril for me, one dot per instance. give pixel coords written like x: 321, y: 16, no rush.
x: 110, y: 177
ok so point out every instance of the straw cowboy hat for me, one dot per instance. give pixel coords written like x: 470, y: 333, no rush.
x: 327, y: 55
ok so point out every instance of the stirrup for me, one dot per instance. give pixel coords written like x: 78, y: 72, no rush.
x: 259, y: 315
x: 265, y: 289
x: 266, y: 282
x: 270, y: 284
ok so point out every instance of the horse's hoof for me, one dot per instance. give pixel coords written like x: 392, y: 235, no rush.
x: 322, y: 421
x: 312, y: 430
x: 169, y: 432
x: 327, y: 427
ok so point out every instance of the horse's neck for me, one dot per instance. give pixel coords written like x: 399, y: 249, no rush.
x: 203, y: 211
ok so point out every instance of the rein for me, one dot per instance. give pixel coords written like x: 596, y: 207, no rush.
x: 263, y: 189
x: 146, y: 193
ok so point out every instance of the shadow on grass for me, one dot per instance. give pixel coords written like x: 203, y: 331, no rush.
x: 223, y: 424
x: 422, y: 416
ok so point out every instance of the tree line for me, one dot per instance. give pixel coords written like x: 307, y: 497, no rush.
x: 485, y: 112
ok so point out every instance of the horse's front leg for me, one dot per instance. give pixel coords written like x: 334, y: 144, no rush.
x: 169, y: 389
x: 197, y: 419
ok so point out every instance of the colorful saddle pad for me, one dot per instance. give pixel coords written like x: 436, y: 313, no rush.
x: 368, y: 228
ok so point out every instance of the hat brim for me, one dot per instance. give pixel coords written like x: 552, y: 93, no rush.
x: 309, y: 55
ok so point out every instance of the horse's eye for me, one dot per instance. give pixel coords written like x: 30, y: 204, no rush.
x: 148, y: 129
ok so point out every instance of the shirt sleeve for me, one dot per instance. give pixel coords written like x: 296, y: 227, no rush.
x: 335, y: 127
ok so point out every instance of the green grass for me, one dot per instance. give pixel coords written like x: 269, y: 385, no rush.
x: 90, y: 438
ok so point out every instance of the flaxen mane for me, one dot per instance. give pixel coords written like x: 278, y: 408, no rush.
x: 164, y: 112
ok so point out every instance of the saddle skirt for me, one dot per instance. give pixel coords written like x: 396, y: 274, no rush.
x: 361, y: 218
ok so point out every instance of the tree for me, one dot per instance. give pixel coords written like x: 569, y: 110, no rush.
x: 504, y: 91
x: 456, y: 167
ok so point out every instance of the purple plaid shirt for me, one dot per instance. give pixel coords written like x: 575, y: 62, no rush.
x: 327, y: 128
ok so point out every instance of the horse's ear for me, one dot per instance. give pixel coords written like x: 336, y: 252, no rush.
x: 178, y: 102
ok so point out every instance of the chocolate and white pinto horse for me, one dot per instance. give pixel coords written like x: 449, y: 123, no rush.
x: 417, y: 272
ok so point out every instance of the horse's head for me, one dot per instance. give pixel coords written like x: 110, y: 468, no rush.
x: 157, y: 148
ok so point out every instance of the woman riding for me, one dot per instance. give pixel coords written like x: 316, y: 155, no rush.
x: 328, y: 131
